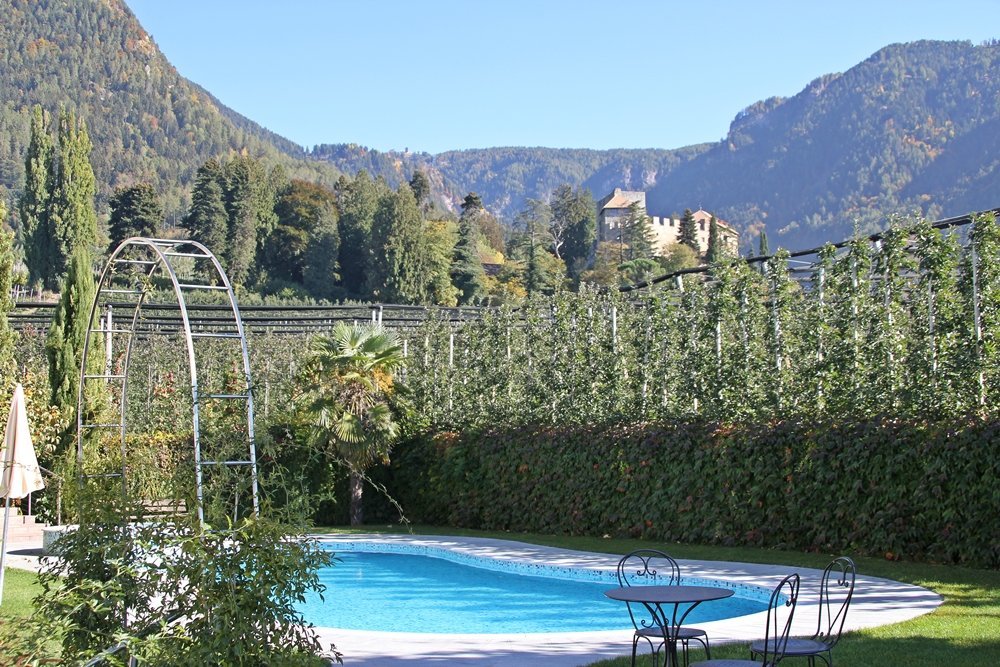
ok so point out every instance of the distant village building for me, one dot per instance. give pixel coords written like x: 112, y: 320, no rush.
x: 614, y: 208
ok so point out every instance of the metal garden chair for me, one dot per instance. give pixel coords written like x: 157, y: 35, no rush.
x: 835, y: 593
x: 649, y: 567
x: 780, y: 611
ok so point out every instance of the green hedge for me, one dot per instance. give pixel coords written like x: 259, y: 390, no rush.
x: 884, y: 487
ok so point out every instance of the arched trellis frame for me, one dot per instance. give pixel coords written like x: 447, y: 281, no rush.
x: 131, y: 271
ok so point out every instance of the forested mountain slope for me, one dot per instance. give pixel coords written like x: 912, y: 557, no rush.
x: 914, y: 128
x: 146, y: 121
x: 506, y: 177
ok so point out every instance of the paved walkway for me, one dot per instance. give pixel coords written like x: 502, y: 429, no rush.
x: 876, y: 602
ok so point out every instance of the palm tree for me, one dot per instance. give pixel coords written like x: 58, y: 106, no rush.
x: 348, y: 398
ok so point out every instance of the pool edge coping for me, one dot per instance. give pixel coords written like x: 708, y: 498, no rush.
x: 877, y: 601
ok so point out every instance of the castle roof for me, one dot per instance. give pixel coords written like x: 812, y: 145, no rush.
x: 701, y: 215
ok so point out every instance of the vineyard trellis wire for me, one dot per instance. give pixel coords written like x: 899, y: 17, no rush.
x: 903, y: 323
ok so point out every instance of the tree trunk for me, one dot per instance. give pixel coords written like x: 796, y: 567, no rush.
x: 356, y: 510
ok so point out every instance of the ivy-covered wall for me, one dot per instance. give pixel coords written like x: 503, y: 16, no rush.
x: 888, y: 487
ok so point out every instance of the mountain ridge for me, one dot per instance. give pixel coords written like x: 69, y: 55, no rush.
x: 914, y: 128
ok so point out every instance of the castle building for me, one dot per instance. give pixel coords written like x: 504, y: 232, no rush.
x: 613, y: 209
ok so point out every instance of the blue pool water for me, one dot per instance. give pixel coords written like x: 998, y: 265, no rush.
x: 398, y: 592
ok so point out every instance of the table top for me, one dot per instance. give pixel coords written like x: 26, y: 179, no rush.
x: 668, y: 594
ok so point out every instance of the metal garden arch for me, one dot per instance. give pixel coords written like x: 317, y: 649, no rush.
x: 128, y: 277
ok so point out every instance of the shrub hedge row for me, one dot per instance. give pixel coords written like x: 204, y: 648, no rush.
x: 898, y: 489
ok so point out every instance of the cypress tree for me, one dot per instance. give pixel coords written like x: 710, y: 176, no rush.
x: 467, y: 274
x: 714, y: 253
x: 64, y: 346
x: 72, y: 215
x: 399, y: 268
x: 763, y: 251
x: 33, y: 204
x: 135, y: 211
x: 8, y: 365
x: 688, y: 232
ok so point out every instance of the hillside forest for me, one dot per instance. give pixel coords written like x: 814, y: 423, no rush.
x: 360, y: 239
x: 911, y: 130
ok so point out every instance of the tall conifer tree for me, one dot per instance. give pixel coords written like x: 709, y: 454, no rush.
x: 688, y: 232
x: 207, y: 221
x: 358, y: 201
x: 763, y: 251
x: 250, y: 206
x: 33, y: 204
x: 467, y: 274
x: 135, y: 211
x: 8, y: 365
x: 399, y: 268
x: 64, y: 346
x: 636, y: 234
x: 72, y: 215
x: 421, y: 189
x: 715, y: 252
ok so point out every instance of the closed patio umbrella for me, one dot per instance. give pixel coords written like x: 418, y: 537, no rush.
x: 20, y: 474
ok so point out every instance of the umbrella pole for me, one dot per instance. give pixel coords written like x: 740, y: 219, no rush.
x: 3, y: 547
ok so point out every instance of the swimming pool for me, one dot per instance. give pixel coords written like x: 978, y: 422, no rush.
x: 442, y: 593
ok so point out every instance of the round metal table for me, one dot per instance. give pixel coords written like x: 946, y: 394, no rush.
x: 656, y: 598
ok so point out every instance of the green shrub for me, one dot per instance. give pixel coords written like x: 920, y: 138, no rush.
x: 888, y: 487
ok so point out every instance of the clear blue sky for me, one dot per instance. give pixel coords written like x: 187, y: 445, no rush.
x: 436, y: 75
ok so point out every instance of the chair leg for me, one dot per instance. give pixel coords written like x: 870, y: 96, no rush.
x: 635, y: 643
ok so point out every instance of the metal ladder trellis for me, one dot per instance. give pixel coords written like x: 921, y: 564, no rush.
x: 125, y: 282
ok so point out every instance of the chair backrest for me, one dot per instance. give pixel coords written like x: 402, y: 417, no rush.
x: 835, y: 593
x: 646, y: 567
x: 780, y: 611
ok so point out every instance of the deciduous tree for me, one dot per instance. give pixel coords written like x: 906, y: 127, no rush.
x: 574, y: 224
x: 302, y: 247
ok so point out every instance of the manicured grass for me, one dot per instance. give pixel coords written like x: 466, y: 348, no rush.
x: 964, y: 631
x: 20, y: 588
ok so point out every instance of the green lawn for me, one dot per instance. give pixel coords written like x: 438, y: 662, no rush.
x: 20, y: 588
x: 964, y: 631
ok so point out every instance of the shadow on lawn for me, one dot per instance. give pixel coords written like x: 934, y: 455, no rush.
x: 863, y: 651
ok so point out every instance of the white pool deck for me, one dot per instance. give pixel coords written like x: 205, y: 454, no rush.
x: 876, y: 602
